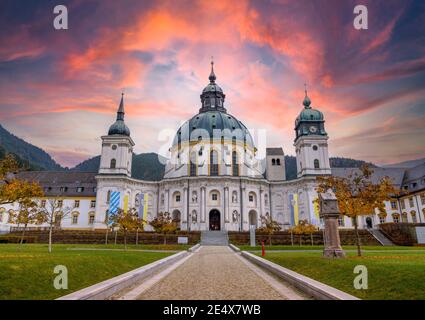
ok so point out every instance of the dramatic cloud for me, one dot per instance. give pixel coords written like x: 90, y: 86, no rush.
x: 60, y: 89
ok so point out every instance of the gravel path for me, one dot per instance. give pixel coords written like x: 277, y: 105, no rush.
x: 216, y: 273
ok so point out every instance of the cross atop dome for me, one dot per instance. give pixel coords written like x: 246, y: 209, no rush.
x: 307, y: 100
x: 212, y: 76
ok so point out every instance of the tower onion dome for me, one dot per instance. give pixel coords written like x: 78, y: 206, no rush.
x: 213, y: 121
x: 308, y: 113
x: 119, y: 127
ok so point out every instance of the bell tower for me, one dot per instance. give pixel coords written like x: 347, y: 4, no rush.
x: 117, y: 147
x: 311, y: 142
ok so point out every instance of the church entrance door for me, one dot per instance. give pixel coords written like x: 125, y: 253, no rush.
x: 214, y: 220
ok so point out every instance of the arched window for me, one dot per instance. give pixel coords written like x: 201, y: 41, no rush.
x: 75, y: 217
x: 414, y: 219
x: 273, y: 162
x: 316, y: 164
x: 113, y: 163
x: 91, y: 217
x: 213, y: 163
x: 278, y: 162
x: 192, y: 165
x: 404, y: 217
x: 235, y: 165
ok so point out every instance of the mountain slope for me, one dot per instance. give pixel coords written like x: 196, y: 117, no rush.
x: 31, y: 156
x: 145, y: 166
x: 335, y: 162
x: 405, y: 164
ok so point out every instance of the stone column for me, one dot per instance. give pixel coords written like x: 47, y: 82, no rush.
x: 202, y: 204
x: 329, y: 211
x: 167, y: 200
x: 185, y: 217
x: 225, y: 204
x: 243, y: 201
x: 261, y: 202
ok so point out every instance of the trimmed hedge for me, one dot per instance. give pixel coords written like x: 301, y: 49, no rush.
x: 347, y: 236
x: 99, y: 237
x: 17, y: 239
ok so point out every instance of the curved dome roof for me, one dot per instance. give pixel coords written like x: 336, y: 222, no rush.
x: 213, y: 124
x: 212, y: 87
x: 308, y: 113
x: 119, y: 127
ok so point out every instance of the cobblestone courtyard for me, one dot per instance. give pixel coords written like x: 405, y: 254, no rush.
x: 216, y: 272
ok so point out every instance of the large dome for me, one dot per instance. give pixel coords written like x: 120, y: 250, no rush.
x: 213, y: 124
x: 213, y: 121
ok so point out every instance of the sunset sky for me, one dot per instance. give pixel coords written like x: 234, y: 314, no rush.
x: 59, y: 89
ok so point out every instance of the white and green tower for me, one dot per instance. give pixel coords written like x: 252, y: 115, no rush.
x: 311, y: 142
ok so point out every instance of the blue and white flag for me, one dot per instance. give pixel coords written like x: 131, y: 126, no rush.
x: 114, y: 202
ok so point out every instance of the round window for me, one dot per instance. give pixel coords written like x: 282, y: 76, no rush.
x: 114, y: 147
x: 315, y: 148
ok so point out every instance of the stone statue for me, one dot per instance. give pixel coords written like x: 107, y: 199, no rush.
x: 194, y: 197
x: 194, y: 217
x: 235, y: 216
x: 234, y: 197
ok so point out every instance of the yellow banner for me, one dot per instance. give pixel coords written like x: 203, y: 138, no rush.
x: 316, y: 208
x: 126, y: 203
x: 296, y: 217
x: 145, y: 207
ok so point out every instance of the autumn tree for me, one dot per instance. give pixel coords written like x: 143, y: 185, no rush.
x: 13, y: 189
x: 126, y: 220
x: 53, y: 212
x: 163, y: 224
x: 140, y: 226
x: 358, y: 195
x: 28, y: 213
x: 269, y: 226
x: 303, y: 227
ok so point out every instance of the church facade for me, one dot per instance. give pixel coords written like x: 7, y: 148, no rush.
x: 214, y: 179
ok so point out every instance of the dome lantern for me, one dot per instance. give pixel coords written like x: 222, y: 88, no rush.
x: 212, y: 97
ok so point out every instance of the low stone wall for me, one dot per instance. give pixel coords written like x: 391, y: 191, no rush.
x: 348, y: 237
x: 99, y: 237
x: 402, y: 234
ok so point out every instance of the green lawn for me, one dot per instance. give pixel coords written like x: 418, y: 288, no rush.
x: 27, y: 272
x: 398, y: 274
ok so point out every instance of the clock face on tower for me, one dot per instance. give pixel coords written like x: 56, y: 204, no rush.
x: 313, y: 129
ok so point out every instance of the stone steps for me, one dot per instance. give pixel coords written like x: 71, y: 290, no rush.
x: 214, y: 238
x: 381, y: 237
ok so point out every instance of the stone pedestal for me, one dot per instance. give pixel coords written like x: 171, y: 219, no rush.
x: 329, y: 211
x: 252, y: 235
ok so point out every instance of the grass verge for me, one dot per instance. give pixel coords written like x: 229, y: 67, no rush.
x: 27, y: 272
x: 392, y: 275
